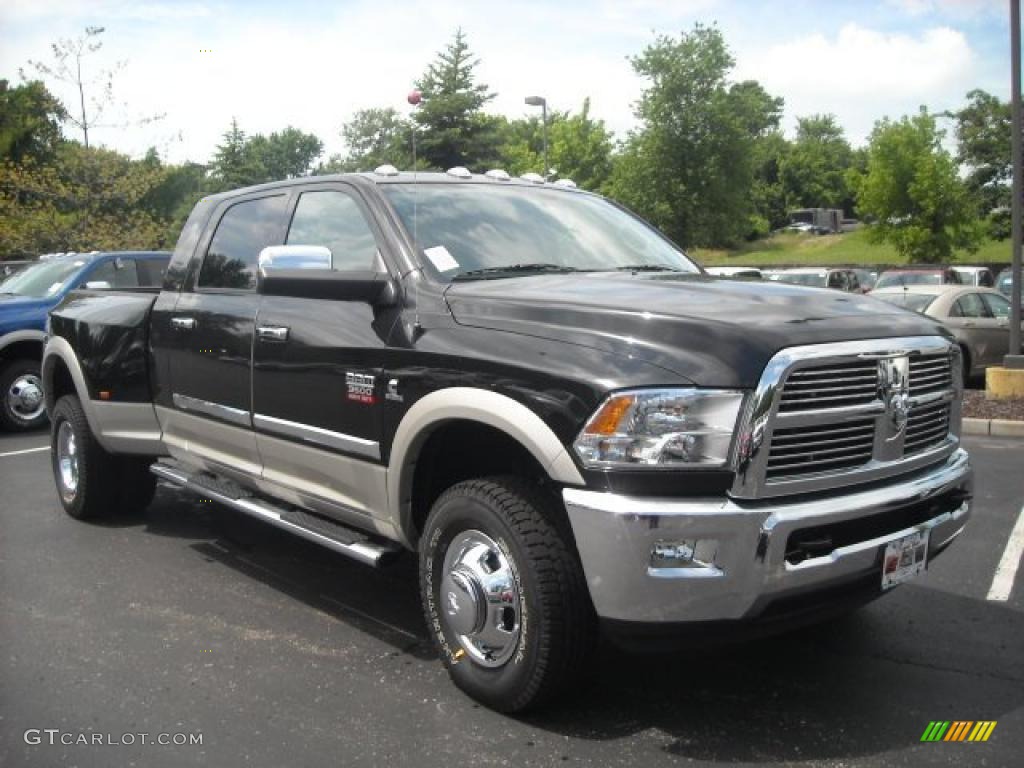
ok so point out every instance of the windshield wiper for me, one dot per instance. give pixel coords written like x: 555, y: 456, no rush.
x: 647, y: 268
x: 515, y: 269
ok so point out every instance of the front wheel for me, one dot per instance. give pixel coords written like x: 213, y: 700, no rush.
x: 21, y: 388
x: 504, y: 594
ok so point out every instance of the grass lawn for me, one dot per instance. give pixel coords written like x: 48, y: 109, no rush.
x: 851, y: 248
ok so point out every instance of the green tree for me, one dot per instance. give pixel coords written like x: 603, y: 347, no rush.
x: 375, y: 136
x: 29, y: 121
x: 690, y: 167
x: 94, y: 92
x: 240, y: 160
x: 768, y: 193
x: 232, y: 165
x: 284, y: 154
x: 982, y: 130
x: 913, y: 193
x: 814, y: 174
x: 85, y: 199
x: 579, y: 147
x: 453, y: 129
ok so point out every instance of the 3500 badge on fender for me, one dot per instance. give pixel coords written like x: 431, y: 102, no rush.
x: 360, y: 387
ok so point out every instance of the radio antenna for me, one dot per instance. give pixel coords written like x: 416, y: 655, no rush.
x: 415, y: 98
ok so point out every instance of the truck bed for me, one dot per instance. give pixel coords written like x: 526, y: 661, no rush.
x: 109, y: 329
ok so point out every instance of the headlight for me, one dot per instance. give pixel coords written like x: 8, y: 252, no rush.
x: 676, y: 428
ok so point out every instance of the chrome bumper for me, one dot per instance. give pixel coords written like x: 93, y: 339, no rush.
x: 615, y: 536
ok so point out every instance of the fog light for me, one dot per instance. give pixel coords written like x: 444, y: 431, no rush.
x: 688, y: 553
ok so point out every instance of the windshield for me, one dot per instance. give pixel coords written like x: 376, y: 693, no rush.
x: 468, y: 228
x: 909, y: 278
x: 813, y: 279
x: 1004, y: 285
x: 918, y: 302
x: 43, y: 279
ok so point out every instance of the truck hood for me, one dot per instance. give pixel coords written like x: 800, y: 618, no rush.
x: 713, y: 333
x: 9, y: 303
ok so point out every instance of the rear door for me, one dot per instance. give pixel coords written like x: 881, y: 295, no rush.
x: 318, y: 364
x: 971, y: 316
x: 999, y: 307
x: 210, y: 337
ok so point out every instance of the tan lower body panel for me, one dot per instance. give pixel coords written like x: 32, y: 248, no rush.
x: 348, y: 489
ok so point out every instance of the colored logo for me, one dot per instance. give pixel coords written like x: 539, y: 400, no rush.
x: 958, y: 730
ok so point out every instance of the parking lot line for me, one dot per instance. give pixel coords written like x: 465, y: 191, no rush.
x: 23, y: 451
x: 1006, y: 571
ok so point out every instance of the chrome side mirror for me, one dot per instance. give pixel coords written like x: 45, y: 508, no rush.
x: 295, y: 257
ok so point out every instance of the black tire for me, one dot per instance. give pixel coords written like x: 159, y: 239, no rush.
x: 97, y: 475
x: 558, y: 629
x: 13, y: 415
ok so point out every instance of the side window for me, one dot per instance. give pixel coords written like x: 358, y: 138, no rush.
x: 997, y: 305
x: 333, y: 219
x: 985, y: 279
x: 119, y: 273
x: 151, y: 272
x: 969, y: 305
x: 854, y: 281
x: 244, y: 230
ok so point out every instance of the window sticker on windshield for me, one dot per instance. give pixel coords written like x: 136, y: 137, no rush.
x: 441, y: 259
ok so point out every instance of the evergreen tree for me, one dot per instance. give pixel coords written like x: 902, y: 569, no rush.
x: 453, y: 129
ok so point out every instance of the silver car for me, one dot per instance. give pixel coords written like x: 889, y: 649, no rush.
x: 978, y: 317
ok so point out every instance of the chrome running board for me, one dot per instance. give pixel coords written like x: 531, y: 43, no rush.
x: 320, y: 530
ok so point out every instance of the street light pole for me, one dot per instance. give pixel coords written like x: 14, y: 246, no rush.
x: 1014, y: 359
x: 540, y: 101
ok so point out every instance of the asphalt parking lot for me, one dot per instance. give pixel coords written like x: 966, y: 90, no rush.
x: 194, y: 620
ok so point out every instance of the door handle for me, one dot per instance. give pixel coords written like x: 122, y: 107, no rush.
x: 183, y: 323
x: 272, y: 333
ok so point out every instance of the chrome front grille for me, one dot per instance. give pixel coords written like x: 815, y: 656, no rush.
x: 839, y: 414
x: 802, y: 450
x: 930, y: 374
x: 927, y: 425
x: 830, y: 386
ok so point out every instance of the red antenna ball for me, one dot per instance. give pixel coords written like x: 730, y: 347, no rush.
x: 414, y: 97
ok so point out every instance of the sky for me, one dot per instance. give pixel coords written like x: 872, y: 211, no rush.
x: 312, y: 65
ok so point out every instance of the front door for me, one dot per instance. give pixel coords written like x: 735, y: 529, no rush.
x: 210, y: 338
x: 317, y: 376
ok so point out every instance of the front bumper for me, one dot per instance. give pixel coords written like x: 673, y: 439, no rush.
x: 616, y: 534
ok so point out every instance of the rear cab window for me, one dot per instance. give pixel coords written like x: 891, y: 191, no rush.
x: 245, y: 229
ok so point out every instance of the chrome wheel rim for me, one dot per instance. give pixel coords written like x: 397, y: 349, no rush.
x: 480, y: 598
x: 25, y: 397
x: 67, y: 461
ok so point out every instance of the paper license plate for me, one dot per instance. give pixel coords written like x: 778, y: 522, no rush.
x: 904, y: 559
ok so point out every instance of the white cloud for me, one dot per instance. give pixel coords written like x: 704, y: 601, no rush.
x: 314, y: 73
x: 22, y: 10
x: 862, y: 74
x: 314, y: 69
x: 961, y: 9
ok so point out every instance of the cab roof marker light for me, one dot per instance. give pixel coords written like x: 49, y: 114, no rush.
x: 498, y: 174
x: 459, y: 172
x: 385, y: 170
x: 567, y: 183
x: 533, y: 178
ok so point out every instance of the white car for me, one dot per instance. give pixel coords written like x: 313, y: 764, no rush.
x: 977, y: 276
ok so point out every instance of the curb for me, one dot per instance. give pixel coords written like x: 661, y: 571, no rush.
x: 994, y: 427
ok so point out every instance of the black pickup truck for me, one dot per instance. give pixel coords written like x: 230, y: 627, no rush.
x: 574, y: 426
